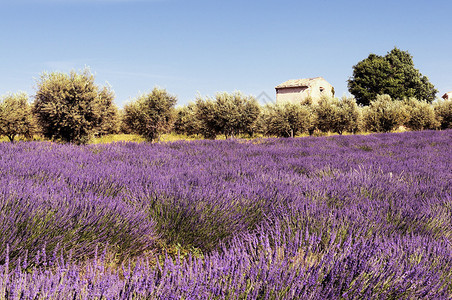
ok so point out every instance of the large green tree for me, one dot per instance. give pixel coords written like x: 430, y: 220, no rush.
x: 393, y: 74
x: 71, y: 107
x: 151, y: 114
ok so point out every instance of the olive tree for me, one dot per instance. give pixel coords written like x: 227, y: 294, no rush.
x: 337, y: 115
x: 228, y: 114
x: 110, y: 118
x: 420, y: 115
x: 286, y: 119
x: 16, y: 117
x: 206, y: 114
x: 349, y: 115
x: 150, y: 115
x: 236, y: 113
x: 71, y: 107
x: 443, y: 113
x: 383, y: 114
x: 186, y: 121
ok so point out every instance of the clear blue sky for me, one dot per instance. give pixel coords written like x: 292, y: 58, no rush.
x: 191, y: 46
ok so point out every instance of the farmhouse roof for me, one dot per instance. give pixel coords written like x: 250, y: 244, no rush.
x: 298, y: 82
x: 447, y: 95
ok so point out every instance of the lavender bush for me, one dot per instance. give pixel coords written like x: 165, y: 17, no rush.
x: 345, y: 217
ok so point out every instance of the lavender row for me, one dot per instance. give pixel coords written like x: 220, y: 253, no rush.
x: 270, y: 264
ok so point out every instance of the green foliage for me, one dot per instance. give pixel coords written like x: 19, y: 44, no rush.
x: 150, y: 114
x: 337, y: 115
x: 287, y: 119
x: 325, y: 111
x: 393, y: 74
x: 443, y: 113
x: 421, y: 115
x: 205, y: 112
x: 110, y: 118
x: 250, y: 111
x: 384, y: 114
x: 186, y: 121
x: 228, y: 114
x: 70, y: 107
x: 204, y: 225
x: 123, y: 128
x: 16, y: 117
x: 350, y: 115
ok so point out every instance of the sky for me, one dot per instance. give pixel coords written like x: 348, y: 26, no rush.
x: 201, y: 47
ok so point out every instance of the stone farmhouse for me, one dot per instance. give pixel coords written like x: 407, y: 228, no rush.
x: 297, y: 90
x: 447, y: 96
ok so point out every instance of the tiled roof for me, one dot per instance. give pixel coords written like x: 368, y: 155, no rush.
x: 298, y: 82
x: 447, y: 95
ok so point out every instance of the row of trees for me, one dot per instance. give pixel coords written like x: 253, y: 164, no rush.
x: 227, y: 114
x: 233, y: 114
x: 72, y: 108
x: 67, y: 107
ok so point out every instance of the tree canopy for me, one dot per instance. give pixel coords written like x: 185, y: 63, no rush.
x: 150, y: 115
x: 384, y: 115
x: 393, y: 74
x: 15, y: 116
x: 337, y: 115
x: 70, y: 107
x: 287, y: 119
x: 229, y: 114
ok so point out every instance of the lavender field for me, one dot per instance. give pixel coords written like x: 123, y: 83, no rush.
x: 342, y: 217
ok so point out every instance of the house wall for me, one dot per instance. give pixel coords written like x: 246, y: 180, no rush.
x: 298, y: 94
x: 316, y: 92
x: 292, y: 94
